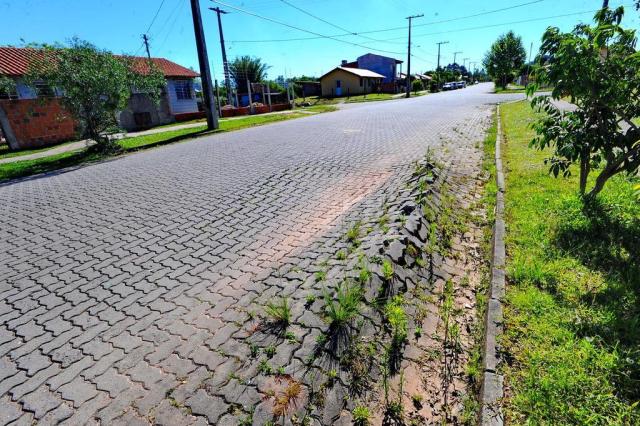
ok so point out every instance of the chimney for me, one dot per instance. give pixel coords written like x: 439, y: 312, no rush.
x: 344, y: 62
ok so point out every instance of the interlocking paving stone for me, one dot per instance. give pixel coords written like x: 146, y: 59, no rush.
x: 146, y: 270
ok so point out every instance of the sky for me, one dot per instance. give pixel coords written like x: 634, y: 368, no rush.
x: 469, y: 27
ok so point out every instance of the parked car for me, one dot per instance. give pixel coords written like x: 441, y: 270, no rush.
x: 449, y: 86
x: 461, y: 84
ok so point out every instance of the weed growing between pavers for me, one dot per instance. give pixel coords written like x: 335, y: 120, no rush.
x: 377, y: 290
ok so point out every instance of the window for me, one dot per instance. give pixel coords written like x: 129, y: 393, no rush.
x: 338, y: 84
x: 184, y: 89
x: 43, y: 90
x: 360, y: 81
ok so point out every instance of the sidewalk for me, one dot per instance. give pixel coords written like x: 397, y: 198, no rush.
x: 82, y: 144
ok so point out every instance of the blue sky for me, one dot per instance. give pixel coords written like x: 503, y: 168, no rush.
x: 117, y: 25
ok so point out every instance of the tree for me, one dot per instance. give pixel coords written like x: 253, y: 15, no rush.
x: 598, y: 69
x: 94, y: 84
x: 505, y: 58
x: 246, y: 67
x: 416, y: 85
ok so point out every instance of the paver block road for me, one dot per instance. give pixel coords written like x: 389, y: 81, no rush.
x: 127, y: 286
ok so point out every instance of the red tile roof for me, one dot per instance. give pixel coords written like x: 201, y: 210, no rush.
x: 14, y: 62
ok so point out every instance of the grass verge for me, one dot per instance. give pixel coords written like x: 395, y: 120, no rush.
x: 54, y: 162
x: 369, y: 98
x: 5, y: 152
x: 572, y: 311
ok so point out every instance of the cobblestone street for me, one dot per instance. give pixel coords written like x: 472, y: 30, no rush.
x: 129, y: 289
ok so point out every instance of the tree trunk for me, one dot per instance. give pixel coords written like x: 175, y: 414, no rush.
x: 585, y: 168
x: 601, y: 180
x: 7, y: 131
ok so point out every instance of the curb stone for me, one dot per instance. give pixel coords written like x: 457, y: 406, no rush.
x: 492, y: 390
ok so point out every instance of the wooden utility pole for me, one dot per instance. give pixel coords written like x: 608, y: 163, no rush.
x: 227, y: 79
x: 218, y: 102
x: 145, y: 39
x: 455, y: 56
x: 440, y: 43
x: 249, y: 93
x: 605, y: 3
x: 205, y: 72
x: 408, y: 83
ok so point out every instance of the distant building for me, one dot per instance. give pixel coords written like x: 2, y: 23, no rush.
x: 345, y: 81
x: 383, y: 65
x: 37, y: 123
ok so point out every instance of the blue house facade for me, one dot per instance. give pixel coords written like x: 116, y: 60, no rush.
x: 383, y: 65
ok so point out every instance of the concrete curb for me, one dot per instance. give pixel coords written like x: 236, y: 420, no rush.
x: 492, y: 389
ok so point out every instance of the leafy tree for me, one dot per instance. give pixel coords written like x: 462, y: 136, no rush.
x: 95, y: 84
x: 598, y: 68
x: 246, y: 67
x: 416, y: 85
x: 7, y: 86
x: 505, y: 58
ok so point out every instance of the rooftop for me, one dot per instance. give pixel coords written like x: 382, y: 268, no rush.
x: 14, y: 62
x: 360, y: 72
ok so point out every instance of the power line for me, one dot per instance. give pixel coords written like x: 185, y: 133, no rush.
x: 349, y: 33
x: 507, y: 23
x: 327, y: 22
x: 155, y: 16
x: 318, y: 35
x: 173, y: 23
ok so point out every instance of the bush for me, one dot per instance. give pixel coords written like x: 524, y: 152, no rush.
x: 417, y: 86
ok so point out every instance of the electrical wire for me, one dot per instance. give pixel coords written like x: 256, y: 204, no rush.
x: 155, y: 16
x: 360, y: 33
x: 318, y: 35
x: 327, y: 22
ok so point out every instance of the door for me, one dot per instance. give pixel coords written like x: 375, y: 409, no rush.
x: 338, y: 88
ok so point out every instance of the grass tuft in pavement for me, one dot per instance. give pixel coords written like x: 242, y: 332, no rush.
x: 572, y: 314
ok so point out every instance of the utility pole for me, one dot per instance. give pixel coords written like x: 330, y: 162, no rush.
x: 605, y: 3
x: 218, y: 103
x: 464, y: 62
x: 205, y: 72
x: 145, y: 39
x: 440, y: 43
x: 227, y: 80
x: 250, y: 99
x: 455, y: 56
x: 410, y: 18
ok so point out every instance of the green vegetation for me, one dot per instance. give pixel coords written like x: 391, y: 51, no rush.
x: 599, y: 135
x: 505, y: 59
x: 6, y: 152
x: 279, y: 312
x: 369, y: 98
x: 45, y: 164
x: 511, y: 88
x: 397, y: 319
x: 320, y: 108
x: 361, y: 415
x: 346, y: 305
x: 572, y: 310
x: 387, y: 270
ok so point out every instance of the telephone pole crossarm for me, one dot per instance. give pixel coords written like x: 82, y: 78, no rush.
x: 225, y: 63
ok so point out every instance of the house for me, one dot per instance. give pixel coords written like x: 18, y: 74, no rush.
x: 178, y: 101
x: 344, y: 81
x: 383, y: 65
x: 36, y: 123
